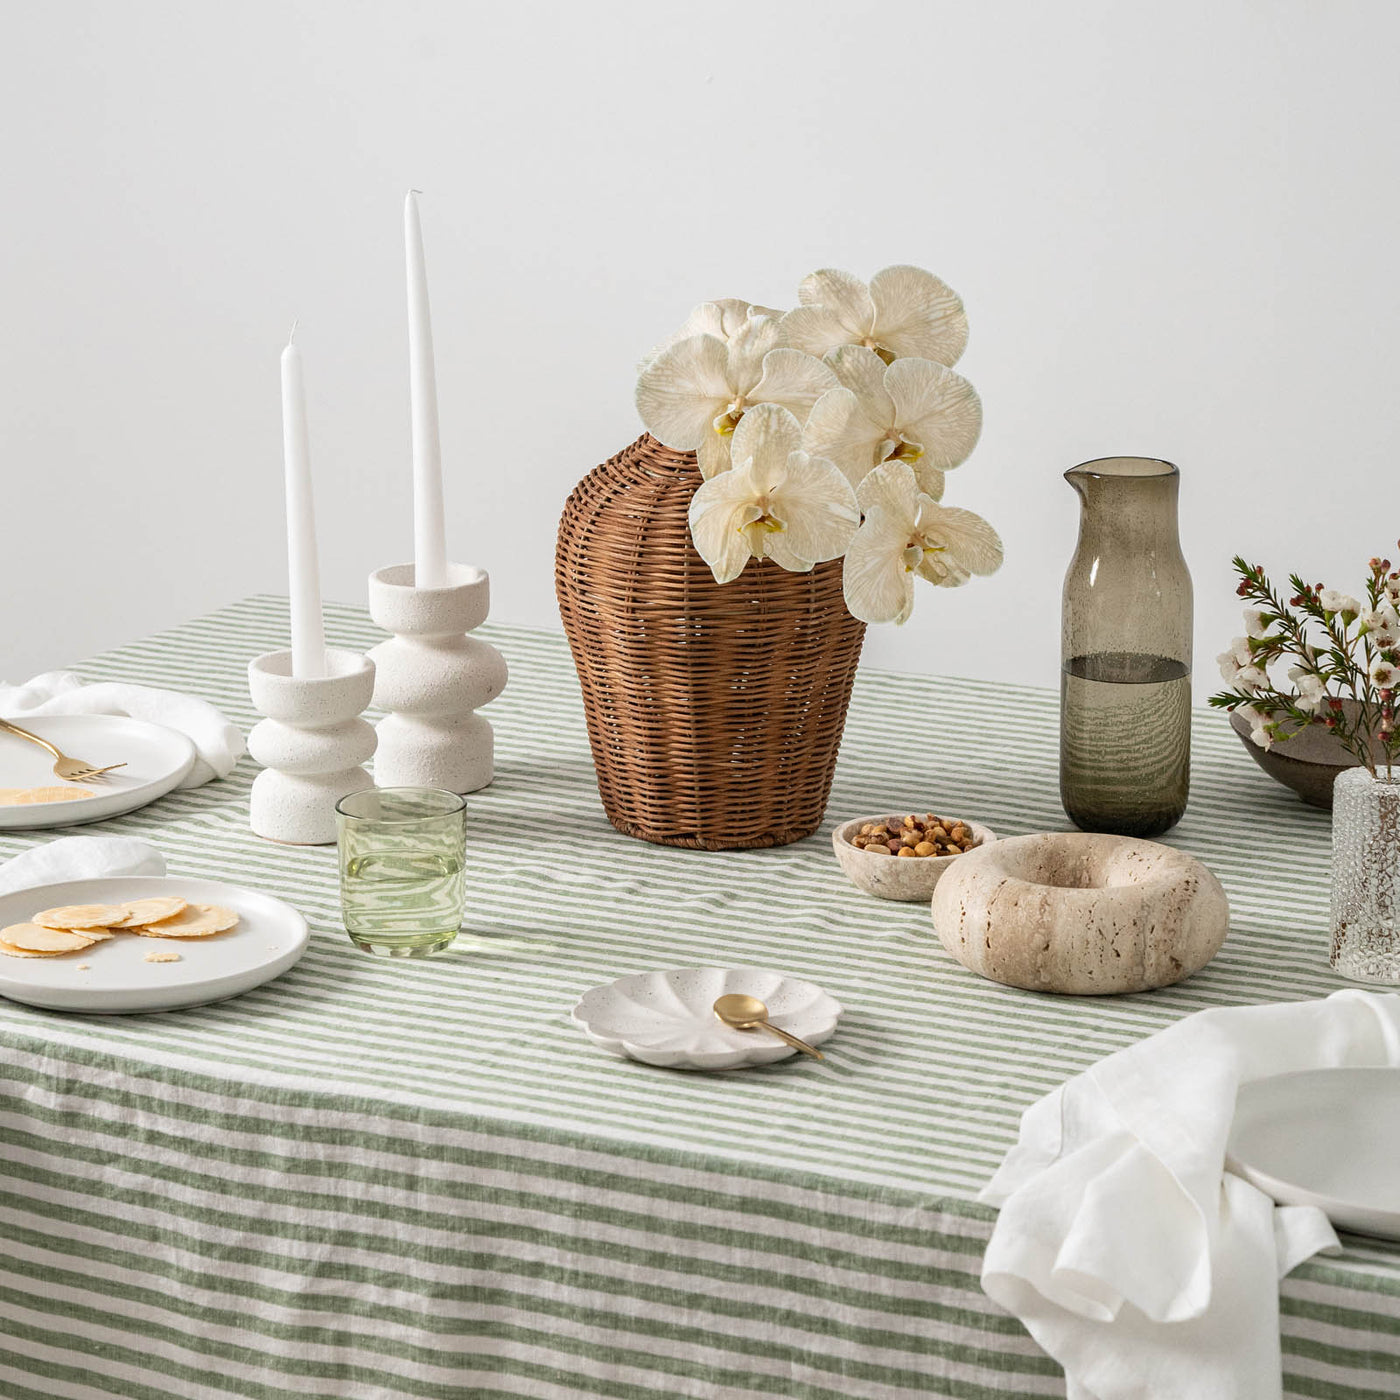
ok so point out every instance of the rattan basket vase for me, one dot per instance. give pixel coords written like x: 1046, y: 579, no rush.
x: 714, y: 711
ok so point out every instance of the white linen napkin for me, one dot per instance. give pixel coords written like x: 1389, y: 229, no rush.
x: 80, y: 858
x: 1133, y: 1257
x: 218, y: 742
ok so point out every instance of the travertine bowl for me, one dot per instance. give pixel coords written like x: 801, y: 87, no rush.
x: 893, y: 877
x: 1080, y: 913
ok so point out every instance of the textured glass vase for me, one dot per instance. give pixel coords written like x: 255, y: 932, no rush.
x: 1366, y: 875
x: 1125, y: 680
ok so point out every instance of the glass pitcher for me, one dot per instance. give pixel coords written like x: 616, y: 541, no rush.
x: 1125, y: 680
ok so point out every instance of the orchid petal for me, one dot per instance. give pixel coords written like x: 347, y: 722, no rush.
x: 936, y: 408
x: 713, y: 454
x: 766, y: 437
x: 815, y: 330
x: 747, y: 348
x: 780, y: 551
x: 817, y: 508
x: 918, y: 314
x: 892, y: 489
x: 878, y: 587
x: 718, y: 512
x: 794, y: 380
x: 971, y: 545
x: 863, y: 372
x: 930, y: 479
x: 682, y: 391
x: 838, y: 429
x: 845, y: 295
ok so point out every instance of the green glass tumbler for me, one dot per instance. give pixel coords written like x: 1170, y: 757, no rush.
x: 403, y: 879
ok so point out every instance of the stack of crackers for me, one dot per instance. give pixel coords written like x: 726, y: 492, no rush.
x: 73, y: 927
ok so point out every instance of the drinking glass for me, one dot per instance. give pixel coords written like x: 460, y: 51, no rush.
x: 402, y: 869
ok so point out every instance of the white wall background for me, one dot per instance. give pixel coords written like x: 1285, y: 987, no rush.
x: 1174, y: 228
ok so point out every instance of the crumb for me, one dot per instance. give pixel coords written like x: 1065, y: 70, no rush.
x: 83, y: 967
x: 156, y: 955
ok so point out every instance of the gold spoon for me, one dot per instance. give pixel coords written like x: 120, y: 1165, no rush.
x: 748, y: 1013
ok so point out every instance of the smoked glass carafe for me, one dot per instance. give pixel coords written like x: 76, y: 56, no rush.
x: 1125, y: 681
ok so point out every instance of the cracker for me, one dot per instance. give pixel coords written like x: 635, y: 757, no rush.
x: 19, y: 797
x: 36, y: 938
x: 152, y: 911
x: 10, y: 951
x: 162, y: 955
x: 82, y: 916
x: 195, y: 921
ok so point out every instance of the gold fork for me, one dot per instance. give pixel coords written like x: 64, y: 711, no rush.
x: 71, y: 770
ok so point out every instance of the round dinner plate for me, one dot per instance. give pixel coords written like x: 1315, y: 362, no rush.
x: 157, y: 760
x: 668, y: 1018
x: 1328, y: 1138
x: 269, y: 938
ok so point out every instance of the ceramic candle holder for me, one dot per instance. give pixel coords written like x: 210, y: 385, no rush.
x: 311, y: 744
x: 432, y: 678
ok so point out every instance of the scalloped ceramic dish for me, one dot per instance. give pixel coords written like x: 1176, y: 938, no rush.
x: 668, y: 1018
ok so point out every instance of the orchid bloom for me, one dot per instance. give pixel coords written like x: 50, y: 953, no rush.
x: 694, y: 394
x: 906, y: 532
x: 723, y: 319
x: 914, y: 411
x: 777, y: 502
x: 903, y: 311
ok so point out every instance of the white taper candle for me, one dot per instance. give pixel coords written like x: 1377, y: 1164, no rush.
x: 429, y: 532
x: 303, y: 573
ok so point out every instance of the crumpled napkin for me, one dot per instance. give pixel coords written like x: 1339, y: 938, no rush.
x: 218, y: 742
x: 1133, y: 1257
x: 80, y: 858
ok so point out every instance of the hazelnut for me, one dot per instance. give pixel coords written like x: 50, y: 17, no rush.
x: 925, y: 848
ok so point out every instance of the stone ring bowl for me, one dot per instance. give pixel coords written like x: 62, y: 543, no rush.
x: 895, y: 877
x: 1080, y: 913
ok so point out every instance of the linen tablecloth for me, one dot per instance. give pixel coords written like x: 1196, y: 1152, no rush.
x: 418, y: 1179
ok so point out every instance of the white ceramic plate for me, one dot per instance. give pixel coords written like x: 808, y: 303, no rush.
x: 1328, y: 1138
x: 668, y: 1018
x: 269, y: 938
x: 157, y: 760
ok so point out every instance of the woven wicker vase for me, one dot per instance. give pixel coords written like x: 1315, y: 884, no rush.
x: 715, y: 711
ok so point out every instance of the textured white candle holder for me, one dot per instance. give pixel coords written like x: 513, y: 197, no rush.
x: 432, y: 678
x: 311, y: 744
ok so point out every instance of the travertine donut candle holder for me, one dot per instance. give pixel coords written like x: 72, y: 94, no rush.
x: 311, y: 744
x: 1078, y: 913
x: 432, y: 678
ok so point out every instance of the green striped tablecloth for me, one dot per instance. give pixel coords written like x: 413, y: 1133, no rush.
x: 374, y: 1179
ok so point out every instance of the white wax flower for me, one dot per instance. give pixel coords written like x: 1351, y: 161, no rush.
x: 1312, y: 690
x: 1386, y: 674
x: 777, y: 502
x: 693, y: 395
x: 1254, y: 625
x: 1261, y: 736
x: 1229, y: 667
x: 1251, y: 678
x: 914, y: 411
x: 1334, y: 601
x: 906, y: 532
x: 1382, y: 625
x: 723, y: 319
x: 903, y: 311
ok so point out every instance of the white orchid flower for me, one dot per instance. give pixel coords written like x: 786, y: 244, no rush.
x: 903, y: 311
x: 913, y: 411
x: 906, y: 532
x: 694, y: 394
x: 777, y: 502
x: 723, y: 319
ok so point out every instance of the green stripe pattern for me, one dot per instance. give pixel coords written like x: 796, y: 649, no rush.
x: 397, y: 1179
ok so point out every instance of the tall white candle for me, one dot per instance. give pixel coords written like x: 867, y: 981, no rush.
x: 303, y: 573
x: 429, y: 533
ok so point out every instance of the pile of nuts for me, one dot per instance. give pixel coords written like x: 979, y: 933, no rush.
x: 915, y: 836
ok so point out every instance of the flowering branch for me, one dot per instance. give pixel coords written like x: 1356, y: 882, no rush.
x: 1341, y: 651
